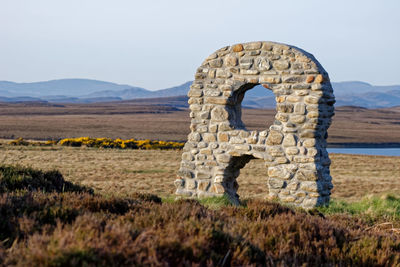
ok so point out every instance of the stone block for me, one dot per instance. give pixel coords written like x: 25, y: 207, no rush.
x: 293, y: 98
x: 194, y: 137
x: 274, y: 138
x: 195, y: 93
x: 203, y: 185
x: 252, y: 46
x: 191, y: 184
x: 297, y: 118
x: 306, y: 175
x: 293, y: 79
x: 276, y: 151
x: 263, y: 64
x: 307, y: 134
x: 213, y: 128
x: 281, y: 65
x: 279, y: 172
x: 284, y: 108
x: 270, y: 79
x: 218, y: 188
x: 289, y: 140
x: 205, y: 151
x: 237, y: 48
x: 242, y: 147
x: 236, y: 140
x: 319, y: 78
x: 276, y: 183
x: 216, y: 63
x: 309, y: 186
x: 292, y: 151
x: 209, y: 137
x: 299, y: 108
x: 246, y: 62
x: 311, y: 99
x: 231, y: 61
x: 203, y: 175
x: 183, y: 192
x: 223, y: 137
x: 249, y: 72
x: 219, y: 114
x: 224, y: 158
x: 282, y: 117
x: 309, y: 142
x: 217, y: 100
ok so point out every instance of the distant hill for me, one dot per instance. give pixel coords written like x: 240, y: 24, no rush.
x: 65, y: 87
x: 351, y: 93
x: 136, y: 92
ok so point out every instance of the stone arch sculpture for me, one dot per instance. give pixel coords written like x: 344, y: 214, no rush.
x: 293, y: 148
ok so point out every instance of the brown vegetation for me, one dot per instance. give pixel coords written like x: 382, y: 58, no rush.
x: 61, y: 228
x: 115, y: 171
x: 140, y: 120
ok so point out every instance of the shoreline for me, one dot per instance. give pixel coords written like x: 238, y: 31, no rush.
x: 363, y: 145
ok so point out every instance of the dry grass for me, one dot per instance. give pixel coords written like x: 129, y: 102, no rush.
x: 157, y: 122
x: 122, y: 172
x: 108, y: 171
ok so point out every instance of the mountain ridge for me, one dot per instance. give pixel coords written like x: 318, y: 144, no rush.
x: 356, y: 93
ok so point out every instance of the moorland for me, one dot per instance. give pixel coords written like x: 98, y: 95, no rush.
x: 68, y: 206
x: 167, y: 119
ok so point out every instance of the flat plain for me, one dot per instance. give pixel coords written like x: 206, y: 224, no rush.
x: 153, y: 120
x: 123, y: 172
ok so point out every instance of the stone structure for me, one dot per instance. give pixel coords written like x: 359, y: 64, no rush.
x: 293, y: 148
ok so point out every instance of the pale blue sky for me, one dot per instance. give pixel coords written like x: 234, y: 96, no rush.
x: 156, y: 44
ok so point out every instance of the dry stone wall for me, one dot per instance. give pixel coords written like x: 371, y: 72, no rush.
x: 293, y: 148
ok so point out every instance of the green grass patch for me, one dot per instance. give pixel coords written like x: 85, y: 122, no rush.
x: 215, y: 202
x: 208, y: 202
x: 168, y: 199
x: 376, y: 208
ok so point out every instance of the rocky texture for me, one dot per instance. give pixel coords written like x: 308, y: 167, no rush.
x: 293, y: 148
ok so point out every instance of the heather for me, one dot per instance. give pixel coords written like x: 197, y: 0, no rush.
x: 63, y: 226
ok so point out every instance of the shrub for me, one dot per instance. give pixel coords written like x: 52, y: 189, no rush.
x: 19, y: 142
x: 119, y: 143
x: 13, y: 178
x: 52, y: 228
x: 103, y: 143
x: 186, y: 233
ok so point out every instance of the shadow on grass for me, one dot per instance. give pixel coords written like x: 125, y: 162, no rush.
x: 18, y: 178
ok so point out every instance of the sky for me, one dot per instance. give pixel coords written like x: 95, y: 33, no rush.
x: 157, y: 44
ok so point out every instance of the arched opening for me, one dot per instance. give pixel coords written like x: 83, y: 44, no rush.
x: 232, y: 172
x: 246, y: 177
x: 254, y: 107
x: 254, y: 110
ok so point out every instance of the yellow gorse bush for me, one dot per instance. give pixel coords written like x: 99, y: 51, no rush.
x: 104, y: 143
x: 120, y: 143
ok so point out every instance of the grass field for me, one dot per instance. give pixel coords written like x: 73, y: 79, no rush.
x: 127, y: 120
x: 121, y: 172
